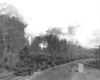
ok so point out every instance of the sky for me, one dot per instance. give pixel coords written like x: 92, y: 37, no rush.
x: 77, y: 19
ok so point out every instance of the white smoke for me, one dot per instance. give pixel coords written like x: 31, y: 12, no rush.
x: 43, y: 45
x: 59, y: 14
x: 29, y: 38
x: 94, y: 38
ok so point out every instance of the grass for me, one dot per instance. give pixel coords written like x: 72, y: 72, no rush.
x: 64, y: 73
x: 89, y: 74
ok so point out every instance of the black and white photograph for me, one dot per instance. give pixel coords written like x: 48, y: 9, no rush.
x: 49, y: 39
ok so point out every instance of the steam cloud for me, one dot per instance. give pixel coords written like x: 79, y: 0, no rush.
x: 67, y: 33
x: 72, y: 33
x: 55, y: 16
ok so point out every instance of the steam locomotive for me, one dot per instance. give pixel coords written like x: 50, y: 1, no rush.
x: 32, y: 62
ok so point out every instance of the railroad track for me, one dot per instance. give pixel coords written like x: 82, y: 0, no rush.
x: 7, y: 77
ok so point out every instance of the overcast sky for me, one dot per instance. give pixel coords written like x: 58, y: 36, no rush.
x: 45, y: 14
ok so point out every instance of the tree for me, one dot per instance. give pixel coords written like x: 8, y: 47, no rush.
x: 98, y: 55
x: 53, y: 43
x: 25, y: 54
x: 35, y: 44
x: 11, y: 35
x: 63, y: 47
x: 10, y: 10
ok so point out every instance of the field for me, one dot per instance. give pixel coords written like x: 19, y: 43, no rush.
x: 64, y: 73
